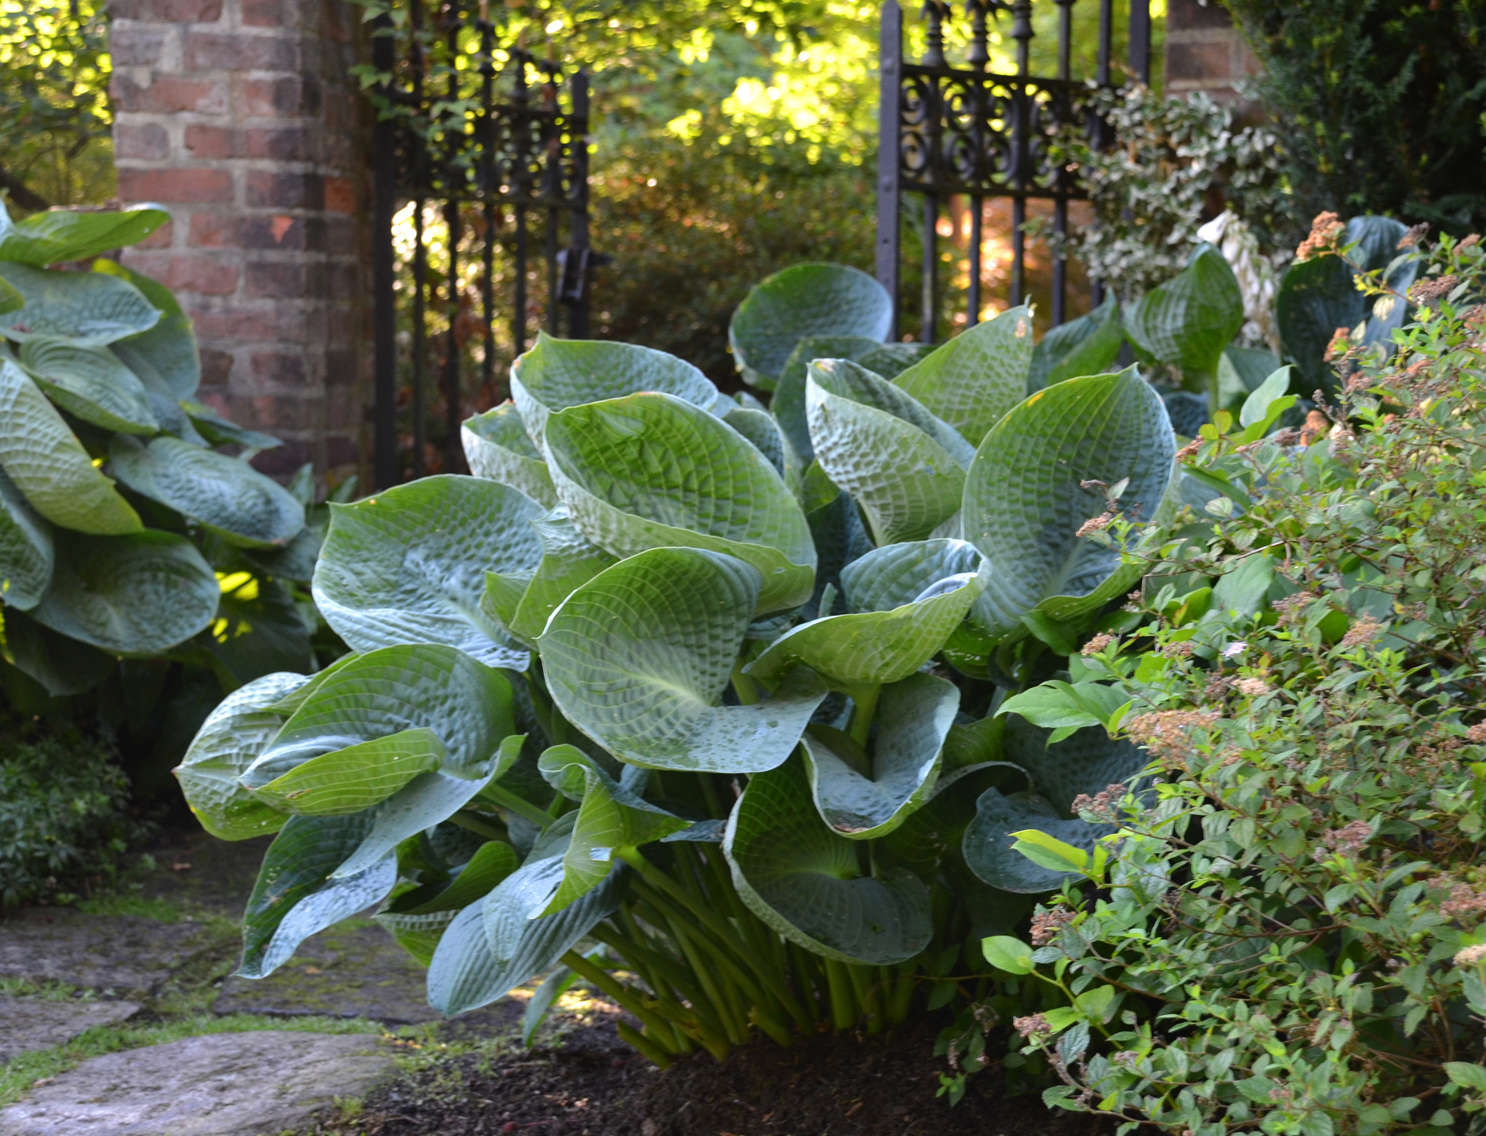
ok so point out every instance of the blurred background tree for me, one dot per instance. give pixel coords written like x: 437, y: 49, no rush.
x: 56, y: 146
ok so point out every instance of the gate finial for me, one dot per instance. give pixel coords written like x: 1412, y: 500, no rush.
x: 935, y: 11
x: 978, y: 10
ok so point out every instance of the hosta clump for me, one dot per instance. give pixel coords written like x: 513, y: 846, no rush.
x: 700, y: 692
x: 1290, y: 937
x: 124, y: 532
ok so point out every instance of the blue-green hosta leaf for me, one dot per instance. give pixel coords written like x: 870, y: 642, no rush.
x: 800, y: 302
x: 85, y: 307
x: 26, y: 550
x: 788, y: 404
x: 496, y: 447
x: 419, y: 935
x: 913, y: 718
x: 897, y: 574
x: 568, y: 560
x: 354, y: 778
x: 807, y: 882
x: 1242, y: 370
x: 408, y: 565
x: 418, y: 926
x: 298, y: 892
x: 1025, y: 500
x: 219, y: 432
x: 60, y: 664
x: 1189, y: 320
x: 223, y: 494
x: 638, y: 659
x: 610, y: 817
x: 873, y: 647
x: 1087, y: 762
x: 167, y: 351
x: 466, y: 704
x: 90, y: 383
x: 57, y: 235
x: 901, y: 464
x: 836, y: 526
x: 649, y: 470
x: 559, y: 373
x: 988, y: 841
x: 977, y: 376
x: 763, y: 434
x: 230, y: 740
x: 50, y: 467
x: 1088, y: 345
x: 138, y: 594
x: 502, y: 940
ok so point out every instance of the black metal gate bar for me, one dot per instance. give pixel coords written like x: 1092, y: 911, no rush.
x: 497, y: 164
x: 948, y: 132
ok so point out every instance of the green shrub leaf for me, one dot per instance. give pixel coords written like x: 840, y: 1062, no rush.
x: 989, y: 846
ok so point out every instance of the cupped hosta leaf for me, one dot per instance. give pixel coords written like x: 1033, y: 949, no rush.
x: 638, y: 659
x: 503, y: 939
x: 229, y: 741
x: 60, y: 664
x: 977, y: 376
x: 219, y: 432
x: 1025, y: 500
x: 987, y: 845
x: 1316, y: 297
x: 559, y: 373
x: 806, y: 300
x: 1088, y: 345
x: 56, y: 235
x: 466, y: 704
x: 26, y: 551
x: 418, y: 923
x: 897, y: 574
x: 90, y: 383
x: 912, y: 721
x: 901, y: 464
x: 223, y: 494
x: 1189, y: 320
x: 1088, y: 761
x: 649, y: 470
x: 166, y: 351
x: 610, y: 818
x: 298, y: 893
x: 85, y: 307
x: 496, y: 447
x: 138, y: 594
x: 354, y: 778
x: 872, y: 647
x: 763, y: 434
x: 807, y: 882
x: 408, y: 565
x: 50, y: 467
x: 788, y: 403
x: 568, y: 560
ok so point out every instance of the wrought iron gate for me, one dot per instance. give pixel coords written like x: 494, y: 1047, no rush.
x: 948, y: 130
x: 506, y: 161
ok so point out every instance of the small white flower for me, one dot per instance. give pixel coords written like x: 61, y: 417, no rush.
x: 1235, y: 649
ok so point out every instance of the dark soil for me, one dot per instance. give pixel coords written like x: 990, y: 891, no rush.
x: 593, y: 1085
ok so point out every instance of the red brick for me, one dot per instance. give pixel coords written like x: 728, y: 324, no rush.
x: 133, y: 44
x: 147, y: 141
x: 274, y: 190
x: 168, y: 94
x: 263, y: 14
x: 216, y: 366
x: 340, y: 195
x: 1204, y: 60
x: 184, y: 186
x: 1184, y: 14
x: 212, y: 142
x: 284, y: 97
x: 281, y: 461
x: 282, y: 144
x: 278, y: 323
x: 189, y: 272
x: 283, y: 280
x: 279, y: 368
x: 178, y: 11
x: 214, y: 51
x: 232, y: 230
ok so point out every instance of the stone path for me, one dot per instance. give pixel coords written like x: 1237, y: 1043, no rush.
x: 127, y: 968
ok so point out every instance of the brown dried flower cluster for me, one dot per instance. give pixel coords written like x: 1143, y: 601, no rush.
x: 1413, y: 235
x: 1167, y: 733
x: 1252, y: 686
x: 1095, y: 524
x: 1362, y: 632
x: 1349, y: 840
x: 1291, y: 609
x: 1180, y: 650
x: 1096, y: 644
x: 1465, y: 902
x: 1326, y: 230
x: 1102, y: 805
x: 1341, y: 341
x: 1477, y: 734
x: 1047, y: 924
x: 1432, y: 288
x: 1032, y: 1026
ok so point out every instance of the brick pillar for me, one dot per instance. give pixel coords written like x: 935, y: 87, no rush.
x: 1204, y: 51
x: 241, y: 118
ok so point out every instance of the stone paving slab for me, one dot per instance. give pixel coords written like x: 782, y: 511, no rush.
x: 235, y: 1084
x: 40, y: 1023
x: 129, y: 954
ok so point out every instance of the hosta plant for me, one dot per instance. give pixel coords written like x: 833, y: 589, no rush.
x: 696, y: 698
x: 125, y: 532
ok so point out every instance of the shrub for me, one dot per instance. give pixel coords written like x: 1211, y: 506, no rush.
x: 138, y: 563
x: 1288, y: 934
x: 707, y: 685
